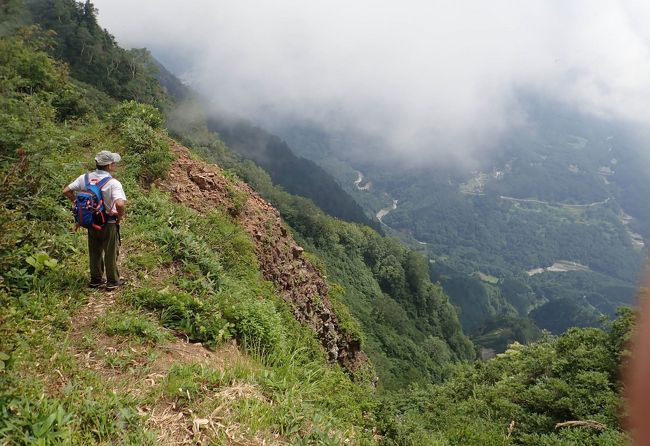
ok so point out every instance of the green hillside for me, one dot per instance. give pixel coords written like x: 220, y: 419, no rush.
x: 385, y: 286
x: 228, y: 332
x: 93, y: 367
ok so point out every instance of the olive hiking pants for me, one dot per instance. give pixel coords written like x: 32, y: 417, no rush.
x: 103, y: 250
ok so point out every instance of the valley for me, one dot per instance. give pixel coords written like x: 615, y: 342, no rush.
x: 559, y: 232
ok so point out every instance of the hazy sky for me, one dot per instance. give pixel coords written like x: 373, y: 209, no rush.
x: 427, y: 75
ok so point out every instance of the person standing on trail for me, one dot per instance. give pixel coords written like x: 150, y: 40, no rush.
x: 103, y: 240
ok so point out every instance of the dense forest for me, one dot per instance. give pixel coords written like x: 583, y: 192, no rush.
x: 554, y: 209
x: 482, y: 233
x: 200, y: 348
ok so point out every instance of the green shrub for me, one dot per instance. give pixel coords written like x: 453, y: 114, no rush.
x: 29, y: 71
x: 134, y: 325
x: 130, y: 110
x: 191, y: 251
x: 43, y: 422
x: 70, y: 103
x: 258, y: 325
x: 237, y: 198
x: 187, y: 382
x: 200, y: 321
x: 145, y: 142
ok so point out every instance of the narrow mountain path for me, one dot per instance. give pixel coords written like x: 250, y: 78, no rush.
x: 140, y: 369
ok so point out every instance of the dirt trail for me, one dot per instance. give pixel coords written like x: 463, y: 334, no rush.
x: 148, y: 366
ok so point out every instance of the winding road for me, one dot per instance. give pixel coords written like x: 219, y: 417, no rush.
x: 359, y: 180
x: 531, y: 200
x: 385, y: 211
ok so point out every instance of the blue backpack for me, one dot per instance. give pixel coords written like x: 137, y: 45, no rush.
x: 89, y: 209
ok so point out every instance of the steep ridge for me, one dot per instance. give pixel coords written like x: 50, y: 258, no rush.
x: 202, y: 187
x: 299, y: 176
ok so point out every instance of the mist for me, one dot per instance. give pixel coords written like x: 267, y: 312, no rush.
x: 428, y: 78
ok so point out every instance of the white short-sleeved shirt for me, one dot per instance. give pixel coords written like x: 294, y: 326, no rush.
x: 111, y: 191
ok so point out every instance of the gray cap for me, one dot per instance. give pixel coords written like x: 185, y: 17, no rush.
x: 104, y: 158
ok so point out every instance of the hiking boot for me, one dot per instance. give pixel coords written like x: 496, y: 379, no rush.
x: 115, y: 285
x: 96, y: 283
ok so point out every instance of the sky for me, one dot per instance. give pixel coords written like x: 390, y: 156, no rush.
x: 429, y: 77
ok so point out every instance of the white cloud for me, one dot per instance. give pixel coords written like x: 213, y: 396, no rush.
x: 429, y: 76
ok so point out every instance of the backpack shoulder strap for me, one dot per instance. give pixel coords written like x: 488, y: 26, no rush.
x: 103, y: 182
x: 86, y: 181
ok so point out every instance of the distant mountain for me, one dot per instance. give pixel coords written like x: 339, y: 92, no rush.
x: 172, y: 85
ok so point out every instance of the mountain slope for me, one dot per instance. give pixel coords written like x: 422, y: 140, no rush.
x: 131, y: 367
x: 411, y: 331
x: 204, y: 187
x: 295, y: 174
x: 298, y: 176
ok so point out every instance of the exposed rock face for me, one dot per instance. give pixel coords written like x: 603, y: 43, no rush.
x: 202, y: 186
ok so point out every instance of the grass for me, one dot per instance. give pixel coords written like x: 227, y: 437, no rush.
x: 133, y: 324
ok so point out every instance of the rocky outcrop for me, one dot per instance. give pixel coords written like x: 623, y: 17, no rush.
x: 202, y: 186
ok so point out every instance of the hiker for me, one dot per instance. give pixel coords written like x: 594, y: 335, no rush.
x: 104, y: 235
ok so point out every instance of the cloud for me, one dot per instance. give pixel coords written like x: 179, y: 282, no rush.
x: 429, y: 77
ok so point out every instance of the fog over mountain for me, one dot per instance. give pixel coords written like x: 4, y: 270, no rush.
x: 431, y: 77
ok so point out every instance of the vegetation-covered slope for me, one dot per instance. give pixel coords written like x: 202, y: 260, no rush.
x: 298, y: 176
x: 411, y: 331
x: 87, y: 367
x: 560, y: 391
x: 132, y: 367
x: 91, y: 52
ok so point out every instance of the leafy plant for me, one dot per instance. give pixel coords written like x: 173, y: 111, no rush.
x: 41, y: 261
x: 201, y: 321
x: 4, y: 361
